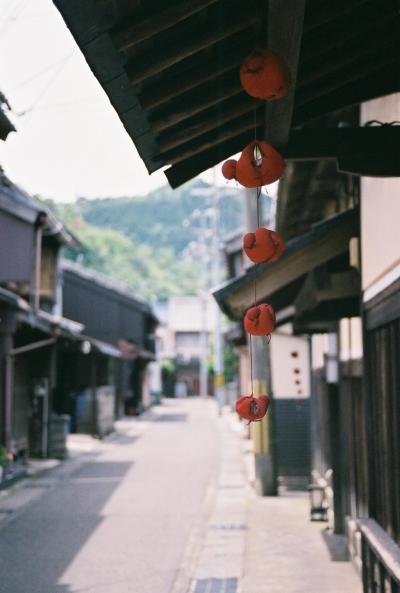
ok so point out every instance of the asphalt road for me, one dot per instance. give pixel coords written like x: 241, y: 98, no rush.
x: 119, y: 519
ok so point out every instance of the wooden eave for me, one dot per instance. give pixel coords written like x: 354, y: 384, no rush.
x: 326, y: 241
x: 171, y: 70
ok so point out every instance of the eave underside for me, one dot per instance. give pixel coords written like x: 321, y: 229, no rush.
x: 171, y: 71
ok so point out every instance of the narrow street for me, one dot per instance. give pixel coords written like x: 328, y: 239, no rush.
x: 117, y: 519
x: 163, y: 506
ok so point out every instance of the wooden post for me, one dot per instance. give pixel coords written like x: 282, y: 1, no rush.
x: 7, y: 328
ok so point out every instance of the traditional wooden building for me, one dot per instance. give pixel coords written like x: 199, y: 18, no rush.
x: 30, y: 240
x: 113, y: 316
x: 171, y: 73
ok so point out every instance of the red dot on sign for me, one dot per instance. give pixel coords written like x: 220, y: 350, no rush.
x: 294, y: 354
x: 296, y: 371
x: 299, y: 391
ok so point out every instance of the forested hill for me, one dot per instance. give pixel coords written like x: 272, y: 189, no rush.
x: 163, y: 217
x: 142, y: 241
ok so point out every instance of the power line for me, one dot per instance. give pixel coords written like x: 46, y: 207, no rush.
x: 87, y: 100
x: 45, y: 89
x: 42, y: 71
x: 12, y: 18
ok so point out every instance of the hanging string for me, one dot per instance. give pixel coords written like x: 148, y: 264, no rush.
x: 255, y: 120
x: 251, y: 367
x: 258, y: 196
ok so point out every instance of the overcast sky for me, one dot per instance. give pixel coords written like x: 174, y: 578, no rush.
x: 70, y: 141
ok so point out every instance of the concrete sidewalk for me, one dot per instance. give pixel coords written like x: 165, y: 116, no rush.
x: 255, y: 544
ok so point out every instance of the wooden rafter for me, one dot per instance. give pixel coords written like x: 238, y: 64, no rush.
x: 384, y: 82
x: 205, y: 122
x: 189, y: 168
x: 369, y: 64
x: 148, y: 24
x: 161, y: 58
x: 164, y: 90
x: 230, y: 130
x: 330, y: 11
x: 316, y: 45
x: 355, y: 53
x: 195, y: 102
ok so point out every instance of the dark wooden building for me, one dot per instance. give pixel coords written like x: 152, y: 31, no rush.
x: 171, y: 72
x: 111, y: 314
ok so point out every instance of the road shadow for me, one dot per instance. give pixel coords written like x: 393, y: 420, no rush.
x: 38, y: 545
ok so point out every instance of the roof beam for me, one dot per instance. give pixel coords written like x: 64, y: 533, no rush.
x: 328, y: 12
x: 354, y: 72
x: 206, y: 97
x: 381, y: 83
x: 148, y: 24
x: 189, y: 168
x: 165, y: 89
x: 285, y: 29
x: 205, y: 122
x: 371, y: 150
x: 159, y: 59
x: 314, y: 70
x: 208, y: 140
x: 316, y: 45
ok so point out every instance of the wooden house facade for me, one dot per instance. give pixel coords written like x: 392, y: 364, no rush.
x: 98, y: 347
x: 30, y: 241
x: 112, y: 315
x: 171, y: 73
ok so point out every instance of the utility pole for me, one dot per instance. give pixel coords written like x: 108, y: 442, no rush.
x: 203, y: 378
x: 214, y: 213
x: 261, y: 432
x: 216, y: 279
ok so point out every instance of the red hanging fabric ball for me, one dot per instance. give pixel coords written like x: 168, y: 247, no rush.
x: 263, y: 246
x: 251, y: 174
x: 260, y: 320
x: 229, y: 169
x: 264, y: 75
x: 252, y: 408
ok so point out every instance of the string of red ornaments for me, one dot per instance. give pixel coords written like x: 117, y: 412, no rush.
x: 263, y: 75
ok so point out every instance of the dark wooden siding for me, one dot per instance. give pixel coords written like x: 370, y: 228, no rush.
x: 353, y: 445
x: 106, y: 314
x: 292, y: 427
x: 16, y: 249
x: 383, y: 413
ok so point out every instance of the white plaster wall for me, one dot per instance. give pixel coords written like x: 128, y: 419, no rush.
x: 290, y: 366
x: 380, y: 205
x: 350, y: 344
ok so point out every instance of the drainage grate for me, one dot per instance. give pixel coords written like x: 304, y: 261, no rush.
x: 216, y: 585
x: 228, y: 527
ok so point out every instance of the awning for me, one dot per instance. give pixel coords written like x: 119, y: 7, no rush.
x: 280, y: 283
x: 13, y: 300
x: 131, y: 351
x: 171, y: 70
x: 103, y: 347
